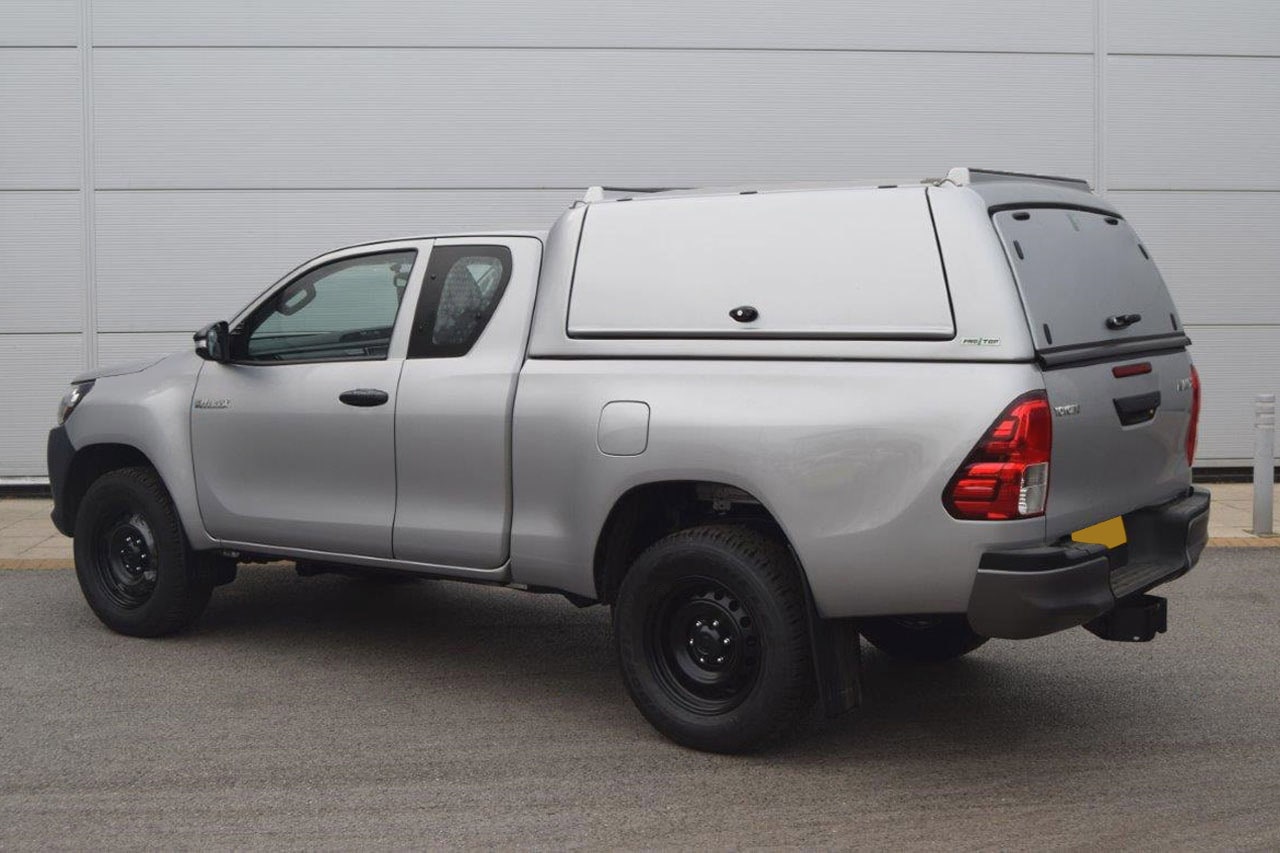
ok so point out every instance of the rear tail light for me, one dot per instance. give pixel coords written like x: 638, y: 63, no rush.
x: 1006, y: 475
x: 1194, y: 425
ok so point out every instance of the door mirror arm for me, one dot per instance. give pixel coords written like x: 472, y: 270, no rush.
x: 213, y: 342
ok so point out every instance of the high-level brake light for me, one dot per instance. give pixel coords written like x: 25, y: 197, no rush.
x: 1140, y: 369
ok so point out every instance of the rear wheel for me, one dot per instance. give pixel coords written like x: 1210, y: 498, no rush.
x: 924, y: 639
x: 711, y: 635
x: 133, y: 562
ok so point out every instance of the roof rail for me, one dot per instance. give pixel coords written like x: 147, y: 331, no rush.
x: 598, y: 193
x: 962, y: 176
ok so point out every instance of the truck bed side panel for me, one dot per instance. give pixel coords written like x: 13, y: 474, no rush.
x: 851, y: 458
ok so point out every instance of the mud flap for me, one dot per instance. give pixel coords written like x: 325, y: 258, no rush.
x: 837, y: 658
x: 837, y: 655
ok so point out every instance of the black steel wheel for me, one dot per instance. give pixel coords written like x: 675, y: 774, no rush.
x: 126, y: 559
x: 702, y: 643
x: 135, y: 567
x: 711, y: 634
x: 923, y: 639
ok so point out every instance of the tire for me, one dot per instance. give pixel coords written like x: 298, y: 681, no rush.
x: 922, y: 639
x: 697, y: 591
x: 134, y: 564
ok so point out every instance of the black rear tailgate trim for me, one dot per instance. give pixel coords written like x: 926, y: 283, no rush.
x: 1097, y: 353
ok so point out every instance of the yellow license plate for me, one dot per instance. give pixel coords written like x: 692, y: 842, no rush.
x: 1109, y: 533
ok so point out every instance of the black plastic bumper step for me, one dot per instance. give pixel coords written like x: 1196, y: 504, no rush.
x: 1134, y: 620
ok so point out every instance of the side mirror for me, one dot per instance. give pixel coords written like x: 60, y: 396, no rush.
x: 213, y: 342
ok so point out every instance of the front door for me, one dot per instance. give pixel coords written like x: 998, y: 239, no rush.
x: 294, y: 439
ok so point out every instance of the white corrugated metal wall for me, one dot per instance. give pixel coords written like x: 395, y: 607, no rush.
x: 226, y: 140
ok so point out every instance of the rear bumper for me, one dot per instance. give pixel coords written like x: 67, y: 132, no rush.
x: 1030, y: 592
x: 59, y: 453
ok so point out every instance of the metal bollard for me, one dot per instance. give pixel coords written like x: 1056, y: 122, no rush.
x: 1264, y: 462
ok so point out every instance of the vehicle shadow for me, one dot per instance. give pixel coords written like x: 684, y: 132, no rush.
x: 502, y: 642
x: 500, y: 646
x: 992, y: 703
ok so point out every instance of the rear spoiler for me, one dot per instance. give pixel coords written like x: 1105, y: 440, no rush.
x: 962, y: 176
x: 594, y: 194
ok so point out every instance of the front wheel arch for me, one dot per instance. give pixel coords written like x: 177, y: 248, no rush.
x: 88, y: 465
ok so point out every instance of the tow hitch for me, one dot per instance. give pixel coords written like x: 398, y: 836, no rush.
x: 1136, y: 619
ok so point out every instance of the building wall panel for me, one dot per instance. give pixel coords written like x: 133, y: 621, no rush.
x: 40, y: 23
x: 123, y: 347
x: 382, y: 118
x: 1193, y: 123
x: 41, y: 262
x: 818, y: 24
x: 1225, y: 27
x: 40, y: 118
x: 36, y: 370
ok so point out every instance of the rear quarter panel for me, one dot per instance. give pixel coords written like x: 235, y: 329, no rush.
x: 851, y: 458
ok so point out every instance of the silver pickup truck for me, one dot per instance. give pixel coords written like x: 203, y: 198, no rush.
x: 758, y: 423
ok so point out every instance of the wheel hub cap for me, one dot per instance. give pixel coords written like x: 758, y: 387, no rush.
x: 706, y: 641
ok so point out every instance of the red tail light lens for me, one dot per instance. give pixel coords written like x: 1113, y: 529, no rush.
x: 1194, y: 425
x: 1006, y: 475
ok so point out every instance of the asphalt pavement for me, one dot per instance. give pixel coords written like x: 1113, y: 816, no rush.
x: 333, y: 713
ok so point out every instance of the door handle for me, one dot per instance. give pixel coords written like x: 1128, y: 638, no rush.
x: 364, y: 397
x: 1137, y: 409
x: 1122, y: 321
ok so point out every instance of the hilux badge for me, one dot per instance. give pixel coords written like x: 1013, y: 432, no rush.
x: 213, y: 404
x: 1184, y: 384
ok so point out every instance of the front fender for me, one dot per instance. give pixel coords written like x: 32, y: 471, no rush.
x: 149, y: 410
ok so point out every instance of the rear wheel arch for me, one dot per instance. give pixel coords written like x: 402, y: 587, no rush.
x: 648, y: 512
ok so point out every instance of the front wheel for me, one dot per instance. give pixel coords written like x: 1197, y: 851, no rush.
x: 923, y: 639
x: 133, y: 562
x: 711, y: 634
